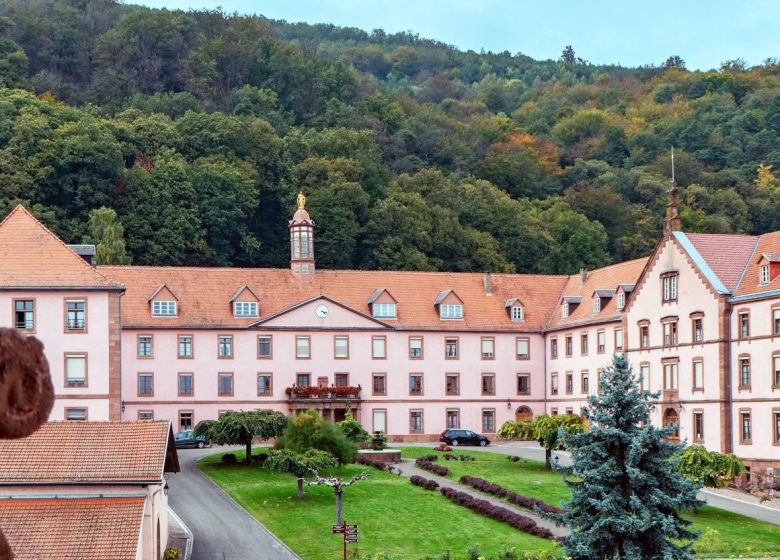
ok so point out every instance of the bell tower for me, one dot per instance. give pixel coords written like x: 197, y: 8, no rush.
x: 672, y: 220
x: 302, y: 241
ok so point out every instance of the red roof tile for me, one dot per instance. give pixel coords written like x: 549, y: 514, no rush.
x: 204, y: 294
x: 31, y: 255
x: 726, y: 254
x: 87, y: 452
x: 73, y: 529
x: 768, y: 243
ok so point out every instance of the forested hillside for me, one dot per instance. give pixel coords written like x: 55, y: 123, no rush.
x: 199, y: 128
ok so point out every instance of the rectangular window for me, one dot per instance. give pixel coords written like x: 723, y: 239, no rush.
x: 415, y: 348
x: 488, y: 421
x: 264, y: 384
x: 416, y: 384
x: 341, y: 347
x: 569, y: 346
x: 517, y: 313
x: 601, y: 342
x: 697, y: 326
x: 453, y: 384
x: 596, y: 305
x: 302, y: 379
x: 451, y: 348
x: 146, y: 415
x: 584, y: 344
x: 76, y: 370
x: 245, y: 308
x: 225, y: 343
x: 764, y: 274
x: 776, y: 372
x: 618, y: 339
x: 669, y: 282
x: 554, y: 384
x: 163, y: 308
x: 564, y: 310
x: 644, y: 336
x: 225, y: 385
x: 523, y: 348
x: 302, y: 347
x: 585, y: 382
x: 670, y: 376
x: 379, y: 347
x: 488, y: 348
x: 415, y: 421
x: 744, y: 324
x: 698, y: 375
x: 453, y: 418
x: 523, y: 383
x: 185, y: 346
x: 451, y: 311
x: 553, y: 412
x: 185, y: 385
x: 553, y: 348
x: 380, y: 420
x: 265, y: 347
x: 698, y: 426
x: 746, y: 431
x: 569, y: 411
x: 670, y: 333
x: 145, y: 384
x: 488, y: 384
x: 378, y: 384
x: 76, y: 414
x: 776, y: 321
x: 776, y: 427
x: 383, y: 310
x: 744, y: 373
x: 569, y: 383
x: 621, y: 301
x: 644, y: 377
x: 75, y: 315
x: 341, y: 379
x: 185, y: 420
x: 24, y: 314
x: 145, y: 346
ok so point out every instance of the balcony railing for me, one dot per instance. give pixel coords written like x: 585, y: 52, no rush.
x: 328, y: 393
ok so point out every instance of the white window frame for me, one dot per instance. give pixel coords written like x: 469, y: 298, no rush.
x: 75, y: 381
x: 763, y: 274
x: 596, y: 305
x: 451, y: 311
x: 621, y: 301
x: 517, y: 312
x: 564, y: 310
x: 698, y: 374
x: 245, y: 309
x: 164, y: 308
x: 384, y: 310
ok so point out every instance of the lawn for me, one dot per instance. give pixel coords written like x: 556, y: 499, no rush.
x: 394, y: 516
x: 736, y: 535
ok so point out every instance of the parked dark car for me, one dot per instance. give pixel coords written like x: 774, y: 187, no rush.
x: 187, y: 439
x: 463, y: 437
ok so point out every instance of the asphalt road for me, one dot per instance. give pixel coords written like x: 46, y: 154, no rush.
x: 222, y: 530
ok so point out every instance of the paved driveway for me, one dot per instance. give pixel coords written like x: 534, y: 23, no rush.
x: 222, y: 530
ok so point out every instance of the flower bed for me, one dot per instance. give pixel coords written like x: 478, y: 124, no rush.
x: 451, y: 457
x: 323, y: 392
x: 442, y: 447
x: 486, y: 509
x: 427, y: 464
x: 423, y: 482
x: 512, y: 497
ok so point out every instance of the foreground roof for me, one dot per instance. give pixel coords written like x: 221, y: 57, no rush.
x: 203, y: 295
x: 767, y: 249
x: 90, y: 452
x: 726, y: 255
x: 32, y: 256
x: 73, y: 529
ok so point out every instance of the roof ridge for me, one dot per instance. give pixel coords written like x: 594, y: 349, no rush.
x: 747, y: 264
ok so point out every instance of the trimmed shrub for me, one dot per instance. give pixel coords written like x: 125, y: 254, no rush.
x: 513, y: 458
x: 451, y: 457
x: 512, y: 497
x: 260, y: 458
x: 353, y: 429
x: 229, y: 458
x: 308, y: 430
x: 423, y: 482
x: 381, y: 465
x: 426, y: 464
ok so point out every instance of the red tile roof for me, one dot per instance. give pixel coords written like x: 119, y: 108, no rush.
x: 768, y: 243
x: 607, y: 278
x: 204, y: 295
x: 31, y: 255
x: 73, y: 529
x: 726, y: 254
x: 87, y: 452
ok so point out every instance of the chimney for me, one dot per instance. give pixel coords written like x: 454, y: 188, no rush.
x: 488, y: 284
x: 86, y: 252
x: 583, y: 276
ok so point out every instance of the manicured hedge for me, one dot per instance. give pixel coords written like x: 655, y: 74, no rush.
x: 381, y: 465
x: 512, y: 497
x: 423, y: 482
x: 426, y: 464
x: 485, y: 508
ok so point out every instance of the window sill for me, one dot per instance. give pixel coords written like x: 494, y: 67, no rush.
x: 744, y: 388
x: 697, y: 390
x: 76, y: 385
x: 523, y: 358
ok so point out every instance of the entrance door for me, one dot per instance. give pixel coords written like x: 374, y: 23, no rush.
x: 670, y: 417
x: 523, y: 413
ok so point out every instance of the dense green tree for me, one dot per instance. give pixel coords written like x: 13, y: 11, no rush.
x: 309, y: 430
x: 550, y: 432
x: 241, y: 427
x: 710, y: 468
x: 627, y: 494
x: 13, y: 60
x: 108, y: 235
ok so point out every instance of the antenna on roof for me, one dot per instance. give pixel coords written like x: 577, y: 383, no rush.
x: 672, y: 220
x: 672, y: 164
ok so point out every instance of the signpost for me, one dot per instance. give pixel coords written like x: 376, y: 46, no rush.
x: 348, y: 532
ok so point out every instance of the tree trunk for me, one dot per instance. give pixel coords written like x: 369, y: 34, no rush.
x: 248, y: 457
x: 339, y: 511
x: 300, y: 487
x: 548, y: 459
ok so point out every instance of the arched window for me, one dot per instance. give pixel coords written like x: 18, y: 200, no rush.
x: 670, y: 417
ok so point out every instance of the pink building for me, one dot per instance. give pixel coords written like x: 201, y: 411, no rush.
x: 412, y: 353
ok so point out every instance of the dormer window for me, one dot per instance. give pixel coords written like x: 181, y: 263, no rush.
x: 517, y: 313
x: 245, y: 309
x: 384, y: 310
x: 621, y: 301
x: 514, y: 307
x: 564, y: 310
x: 163, y: 308
x: 451, y: 311
x: 764, y: 274
x: 596, y: 305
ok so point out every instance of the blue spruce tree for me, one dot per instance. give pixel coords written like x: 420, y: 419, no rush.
x: 627, y: 495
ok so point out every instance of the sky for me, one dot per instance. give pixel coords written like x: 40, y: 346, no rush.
x: 631, y: 33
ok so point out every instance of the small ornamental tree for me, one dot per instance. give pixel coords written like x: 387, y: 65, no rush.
x: 710, y: 468
x: 628, y: 494
x: 548, y: 431
x: 338, y: 486
x: 353, y: 429
x: 309, y: 462
x: 242, y: 426
x: 309, y: 430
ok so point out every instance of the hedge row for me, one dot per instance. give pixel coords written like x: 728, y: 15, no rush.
x: 381, y: 465
x: 451, y: 457
x: 423, y: 482
x: 485, y: 508
x: 512, y: 497
x: 426, y: 464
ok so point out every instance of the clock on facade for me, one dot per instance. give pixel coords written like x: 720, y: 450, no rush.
x: 321, y: 311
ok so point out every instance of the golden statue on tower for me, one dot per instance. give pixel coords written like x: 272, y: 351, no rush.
x: 301, y: 200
